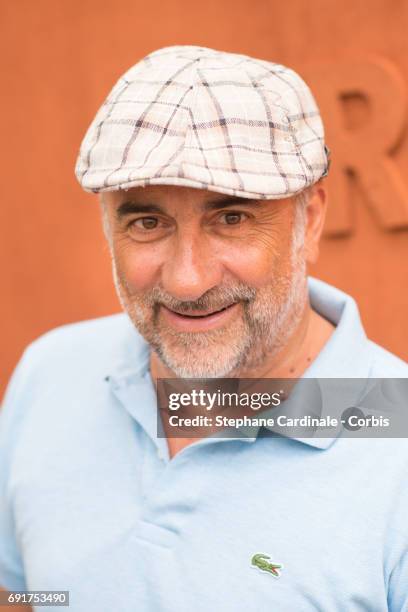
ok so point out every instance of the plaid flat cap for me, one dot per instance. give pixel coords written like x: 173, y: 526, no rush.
x: 198, y: 117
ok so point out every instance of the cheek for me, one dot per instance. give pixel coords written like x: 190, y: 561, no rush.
x: 138, y: 265
x: 258, y: 264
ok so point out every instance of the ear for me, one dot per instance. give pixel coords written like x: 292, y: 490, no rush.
x: 315, y: 216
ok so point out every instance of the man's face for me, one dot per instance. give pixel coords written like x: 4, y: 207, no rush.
x: 213, y: 283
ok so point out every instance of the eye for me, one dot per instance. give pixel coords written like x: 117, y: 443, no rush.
x: 149, y: 228
x: 232, y: 218
x: 146, y: 223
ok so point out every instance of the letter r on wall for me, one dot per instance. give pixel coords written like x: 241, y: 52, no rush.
x: 363, y: 104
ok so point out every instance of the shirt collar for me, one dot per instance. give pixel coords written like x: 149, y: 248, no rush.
x: 345, y: 356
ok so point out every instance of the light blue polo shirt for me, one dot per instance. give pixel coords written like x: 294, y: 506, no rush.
x: 91, y: 503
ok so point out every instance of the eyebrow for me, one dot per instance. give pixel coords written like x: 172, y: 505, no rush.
x: 232, y: 201
x: 128, y: 208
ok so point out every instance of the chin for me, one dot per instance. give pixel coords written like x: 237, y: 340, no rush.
x: 188, y: 366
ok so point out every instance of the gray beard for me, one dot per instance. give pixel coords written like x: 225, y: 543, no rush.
x: 264, y: 332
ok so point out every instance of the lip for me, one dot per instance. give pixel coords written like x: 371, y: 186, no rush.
x: 198, y: 321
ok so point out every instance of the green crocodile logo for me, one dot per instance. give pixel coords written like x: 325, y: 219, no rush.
x: 261, y: 562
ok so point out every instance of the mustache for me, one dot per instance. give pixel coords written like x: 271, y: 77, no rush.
x: 214, y: 299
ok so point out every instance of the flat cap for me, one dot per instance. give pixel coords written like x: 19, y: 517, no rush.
x: 198, y: 117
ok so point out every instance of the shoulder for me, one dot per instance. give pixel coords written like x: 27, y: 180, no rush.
x: 74, y: 335
x: 79, y: 351
x: 89, y: 337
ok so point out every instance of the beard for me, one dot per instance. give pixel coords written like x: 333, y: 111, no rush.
x: 268, y: 317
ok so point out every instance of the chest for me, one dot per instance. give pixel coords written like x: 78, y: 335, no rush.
x: 119, y: 527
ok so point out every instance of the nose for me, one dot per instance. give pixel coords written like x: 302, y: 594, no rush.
x: 192, y: 267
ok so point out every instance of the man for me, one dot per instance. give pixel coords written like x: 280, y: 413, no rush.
x: 210, y: 167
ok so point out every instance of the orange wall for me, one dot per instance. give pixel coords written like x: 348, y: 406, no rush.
x: 59, y: 59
